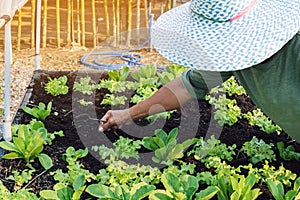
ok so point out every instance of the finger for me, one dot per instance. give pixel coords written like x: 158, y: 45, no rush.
x: 106, y: 125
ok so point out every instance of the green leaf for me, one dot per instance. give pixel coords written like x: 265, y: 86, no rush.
x: 149, y: 143
x: 9, y: 146
x: 49, y: 194
x: 77, y: 194
x: 78, y: 182
x: 172, y: 135
x: 65, y: 193
x: 171, y: 182
x: 290, y: 195
x: 297, y: 184
x: 19, y: 143
x: 176, y: 152
x: 141, y: 190
x: 12, y: 155
x: 208, y: 193
x: 159, y: 142
x: 45, y: 161
x: 274, y: 187
x: 160, y: 195
x: 27, y: 110
x: 100, y: 191
x: 162, y: 137
x: 250, y: 180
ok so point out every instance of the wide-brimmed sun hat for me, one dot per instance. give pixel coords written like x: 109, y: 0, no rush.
x: 225, y: 35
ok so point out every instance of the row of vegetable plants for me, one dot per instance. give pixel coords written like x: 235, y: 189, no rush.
x: 180, y: 178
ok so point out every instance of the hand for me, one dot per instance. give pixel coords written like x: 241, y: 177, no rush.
x: 114, y: 119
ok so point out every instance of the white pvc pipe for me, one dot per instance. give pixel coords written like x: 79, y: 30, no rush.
x: 7, y: 62
x: 37, y: 59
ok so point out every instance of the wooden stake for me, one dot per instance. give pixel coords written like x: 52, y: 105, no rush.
x: 82, y: 23
x: 72, y: 23
x: 106, y: 17
x: 114, y: 23
x: 44, y: 24
x: 19, y: 29
x: 78, y: 23
x: 118, y: 18
x: 138, y: 19
x: 129, y: 22
x: 94, y: 24
x: 146, y: 13
x: 69, y: 21
x: 58, y: 23
x: 33, y: 7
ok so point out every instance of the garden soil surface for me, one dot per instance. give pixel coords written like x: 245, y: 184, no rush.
x: 80, y: 126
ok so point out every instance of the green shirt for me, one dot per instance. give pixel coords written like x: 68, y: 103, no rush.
x: 273, y: 85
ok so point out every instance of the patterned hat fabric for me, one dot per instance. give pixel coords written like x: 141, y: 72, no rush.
x: 225, y: 35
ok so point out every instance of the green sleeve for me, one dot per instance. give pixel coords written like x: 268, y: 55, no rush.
x: 198, y: 83
x: 274, y: 86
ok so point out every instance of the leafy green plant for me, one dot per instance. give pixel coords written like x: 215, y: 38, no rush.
x: 85, y: 103
x: 113, y: 86
x: 212, y: 147
x: 227, y: 111
x: 119, y: 75
x: 23, y: 193
x: 182, y: 169
x: 277, y: 190
x: 122, y: 173
x: 231, y: 87
x: 207, y: 178
x: 258, y: 118
x: 144, y: 72
x: 181, y: 187
x: 85, y: 85
x: 72, y: 192
x: 143, y: 93
x: 258, y: 150
x: 72, y: 155
x: 238, y: 188
x: 165, y: 146
x: 281, y: 174
x: 20, y: 178
x: 171, y: 73
x: 41, y: 112
x: 110, y: 99
x: 287, y: 153
x: 120, y: 192
x: 124, y: 148
x: 221, y: 168
x: 57, y: 86
x: 28, y: 144
x: 72, y: 184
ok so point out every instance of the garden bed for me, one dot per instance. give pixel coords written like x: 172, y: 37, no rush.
x: 80, y: 127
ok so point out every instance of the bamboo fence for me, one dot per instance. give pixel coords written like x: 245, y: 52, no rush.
x: 84, y: 22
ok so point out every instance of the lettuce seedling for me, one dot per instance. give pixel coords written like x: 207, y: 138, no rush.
x: 57, y: 86
x: 41, y: 112
x: 277, y: 190
x: 118, y: 75
x: 258, y: 150
x: 28, y: 144
x: 165, y: 146
x: 85, y: 86
x: 287, y: 153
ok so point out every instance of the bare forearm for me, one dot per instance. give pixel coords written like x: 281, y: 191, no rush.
x: 169, y: 97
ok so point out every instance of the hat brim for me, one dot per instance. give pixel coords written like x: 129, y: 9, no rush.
x: 188, y: 39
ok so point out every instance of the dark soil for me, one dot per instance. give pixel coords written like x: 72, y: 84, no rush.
x: 80, y: 126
